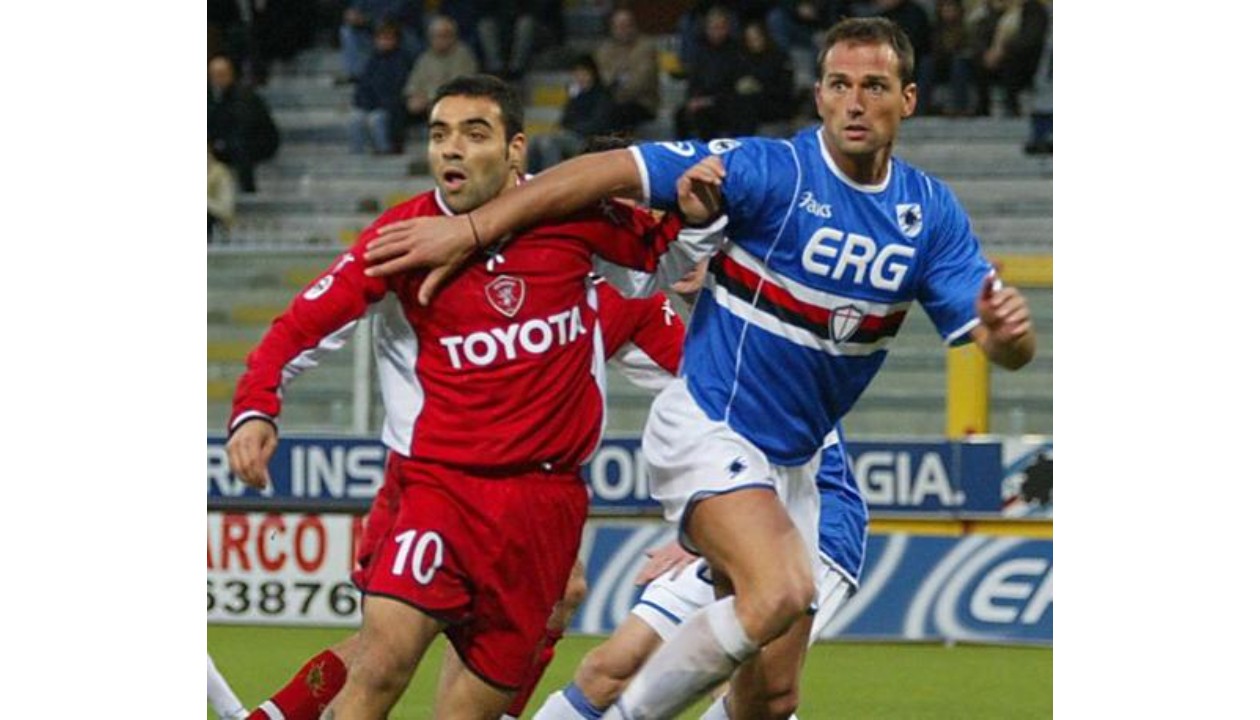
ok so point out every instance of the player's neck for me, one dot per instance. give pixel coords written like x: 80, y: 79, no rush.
x: 865, y: 169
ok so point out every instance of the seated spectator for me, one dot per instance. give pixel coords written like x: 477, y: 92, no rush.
x: 240, y: 129
x: 1012, y: 51
x: 358, y: 27
x: 221, y: 199
x: 765, y: 89
x: 379, y: 112
x: 950, y: 62
x: 706, y: 112
x: 795, y: 23
x: 507, y: 32
x: 446, y: 59
x: 587, y: 114
x: 627, y: 62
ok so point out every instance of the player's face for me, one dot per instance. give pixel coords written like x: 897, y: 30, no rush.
x: 469, y: 152
x: 862, y: 102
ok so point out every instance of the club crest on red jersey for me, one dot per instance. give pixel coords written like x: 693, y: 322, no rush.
x: 845, y: 320
x: 506, y: 294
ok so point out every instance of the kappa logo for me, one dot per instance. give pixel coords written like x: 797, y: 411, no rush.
x: 910, y: 219
x: 845, y: 320
x: 723, y: 145
x: 506, y: 294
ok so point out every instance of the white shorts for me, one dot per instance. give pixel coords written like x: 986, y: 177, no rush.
x: 691, y: 457
x: 667, y: 602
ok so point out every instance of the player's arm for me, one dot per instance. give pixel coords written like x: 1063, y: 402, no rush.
x: 444, y: 243
x: 318, y: 320
x: 965, y: 298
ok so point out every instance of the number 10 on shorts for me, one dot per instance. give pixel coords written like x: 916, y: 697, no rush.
x: 418, y: 550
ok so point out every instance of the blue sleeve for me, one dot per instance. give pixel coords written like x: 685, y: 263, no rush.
x: 954, y: 270
x: 760, y: 174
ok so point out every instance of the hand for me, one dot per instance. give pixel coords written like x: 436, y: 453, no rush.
x: 1006, y: 328
x: 439, y: 243
x: 700, y: 191
x: 250, y: 449
x: 662, y: 560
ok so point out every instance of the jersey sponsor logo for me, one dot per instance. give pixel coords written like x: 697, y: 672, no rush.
x: 535, y: 337
x: 683, y: 149
x: 506, y: 294
x: 832, y: 253
x: 813, y: 207
x: 910, y: 219
x: 723, y: 145
x: 845, y: 320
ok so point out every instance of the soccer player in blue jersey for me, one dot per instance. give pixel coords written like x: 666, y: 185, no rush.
x: 679, y: 587
x: 832, y: 238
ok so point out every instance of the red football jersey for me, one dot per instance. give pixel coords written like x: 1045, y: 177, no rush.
x: 643, y: 337
x: 500, y: 371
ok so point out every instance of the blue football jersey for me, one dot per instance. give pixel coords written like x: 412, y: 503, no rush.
x: 800, y: 306
x: 842, y: 515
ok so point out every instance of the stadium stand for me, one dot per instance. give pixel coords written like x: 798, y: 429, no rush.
x: 315, y: 196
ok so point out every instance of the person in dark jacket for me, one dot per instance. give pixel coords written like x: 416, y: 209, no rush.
x: 587, y: 114
x: 379, y: 107
x: 707, y: 109
x: 240, y: 129
x: 765, y: 87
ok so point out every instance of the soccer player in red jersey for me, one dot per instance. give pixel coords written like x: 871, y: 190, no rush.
x: 493, y: 399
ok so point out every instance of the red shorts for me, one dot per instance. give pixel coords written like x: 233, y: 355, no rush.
x: 489, y: 556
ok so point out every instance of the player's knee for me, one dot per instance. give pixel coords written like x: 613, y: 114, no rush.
x: 775, y: 606
x: 382, y: 666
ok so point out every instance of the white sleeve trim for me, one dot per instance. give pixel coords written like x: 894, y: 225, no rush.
x: 247, y: 415
x: 968, y: 327
x: 640, y: 369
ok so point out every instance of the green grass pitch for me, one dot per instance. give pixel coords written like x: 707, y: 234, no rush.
x: 842, y: 680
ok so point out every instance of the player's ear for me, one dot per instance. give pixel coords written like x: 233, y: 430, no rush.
x: 516, y: 152
x: 910, y: 97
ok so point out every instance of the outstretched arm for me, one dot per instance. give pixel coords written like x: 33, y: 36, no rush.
x: 444, y: 243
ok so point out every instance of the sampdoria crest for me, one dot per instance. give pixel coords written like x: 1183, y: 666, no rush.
x: 845, y: 320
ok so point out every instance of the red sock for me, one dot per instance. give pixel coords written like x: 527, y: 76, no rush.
x: 309, y: 692
x: 545, y: 654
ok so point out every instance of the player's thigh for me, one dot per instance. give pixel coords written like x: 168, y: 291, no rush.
x: 394, y: 635
x: 748, y: 536
x: 463, y: 695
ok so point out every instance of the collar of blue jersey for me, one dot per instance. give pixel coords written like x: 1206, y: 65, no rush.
x: 835, y: 169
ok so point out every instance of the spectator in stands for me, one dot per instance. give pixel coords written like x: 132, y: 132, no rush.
x: 1041, y: 125
x: 706, y: 111
x: 281, y: 28
x: 1012, y: 53
x: 221, y: 199
x: 358, y: 27
x: 765, y: 88
x: 507, y: 30
x: 446, y: 59
x: 379, y: 112
x: 795, y: 23
x: 239, y: 124
x: 949, y: 63
x: 627, y: 61
x: 912, y: 18
x: 587, y: 114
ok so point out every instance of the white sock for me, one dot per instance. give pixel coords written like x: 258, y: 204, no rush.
x: 705, y: 651
x: 716, y: 711
x: 226, y: 704
x: 568, y: 704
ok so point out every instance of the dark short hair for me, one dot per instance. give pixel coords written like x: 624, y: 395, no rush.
x: 488, y: 86
x: 586, y: 62
x: 872, y: 31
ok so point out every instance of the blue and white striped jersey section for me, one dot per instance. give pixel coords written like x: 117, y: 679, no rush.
x: 800, y: 306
